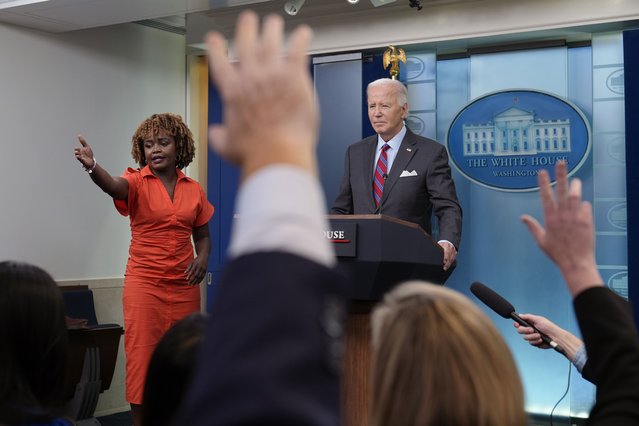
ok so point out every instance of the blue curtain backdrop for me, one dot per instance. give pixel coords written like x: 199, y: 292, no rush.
x: 496, y: 247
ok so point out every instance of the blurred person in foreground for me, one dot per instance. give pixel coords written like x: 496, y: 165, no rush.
x: 439, y: 360
x: 271, y: 350
x: 171, y: 370
x: 33, y: 348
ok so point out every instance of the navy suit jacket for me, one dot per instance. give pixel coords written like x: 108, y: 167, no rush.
x: 411, y: 198
x: 272, y: 349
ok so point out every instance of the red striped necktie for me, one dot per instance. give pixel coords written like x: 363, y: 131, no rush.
x: 380, y: 174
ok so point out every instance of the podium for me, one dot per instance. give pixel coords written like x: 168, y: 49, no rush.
x: 382, y: 251
x: 379, y: 252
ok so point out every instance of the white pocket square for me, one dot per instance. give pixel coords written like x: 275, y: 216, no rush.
x: 406, y: 173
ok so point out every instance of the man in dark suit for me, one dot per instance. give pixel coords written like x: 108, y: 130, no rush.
x: 398, y: 173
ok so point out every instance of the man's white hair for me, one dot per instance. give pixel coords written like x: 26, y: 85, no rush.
x: 401, y: 93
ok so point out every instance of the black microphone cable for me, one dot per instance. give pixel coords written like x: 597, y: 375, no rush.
x: 565, y: 392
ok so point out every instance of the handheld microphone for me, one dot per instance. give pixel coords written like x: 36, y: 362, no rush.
x: 505, y: 309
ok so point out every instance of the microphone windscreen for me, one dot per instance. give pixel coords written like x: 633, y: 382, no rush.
x: 493, y: 300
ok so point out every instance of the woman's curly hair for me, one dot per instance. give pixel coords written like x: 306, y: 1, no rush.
x: 173, y: 125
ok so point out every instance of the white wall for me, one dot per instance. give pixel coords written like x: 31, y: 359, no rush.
x: 102, y: 83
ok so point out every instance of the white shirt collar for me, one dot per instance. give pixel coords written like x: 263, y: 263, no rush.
x: 394, y: 142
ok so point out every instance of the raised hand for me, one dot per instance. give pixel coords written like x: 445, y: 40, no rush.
x: 270, y: 114
x: 84, y: 153
x: 568, y: 236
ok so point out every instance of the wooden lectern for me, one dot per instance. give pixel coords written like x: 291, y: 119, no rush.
x: 379, y: 252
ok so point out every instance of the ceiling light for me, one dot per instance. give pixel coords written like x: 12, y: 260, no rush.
x: 377, y: 3
x: 7, y: 4
x: 293, y: 6
x: 353, y: 1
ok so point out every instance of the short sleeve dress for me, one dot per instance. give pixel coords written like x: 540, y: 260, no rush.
x: 156, y: 292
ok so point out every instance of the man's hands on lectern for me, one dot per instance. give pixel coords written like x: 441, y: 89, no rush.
x: 450, y: 253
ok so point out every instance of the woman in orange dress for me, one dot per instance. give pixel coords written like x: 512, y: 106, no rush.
x: 165, y: 208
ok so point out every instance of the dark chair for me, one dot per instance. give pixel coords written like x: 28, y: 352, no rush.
x: 91, y: 358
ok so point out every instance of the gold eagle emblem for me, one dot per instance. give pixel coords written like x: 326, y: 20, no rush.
x: 392, y: 56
